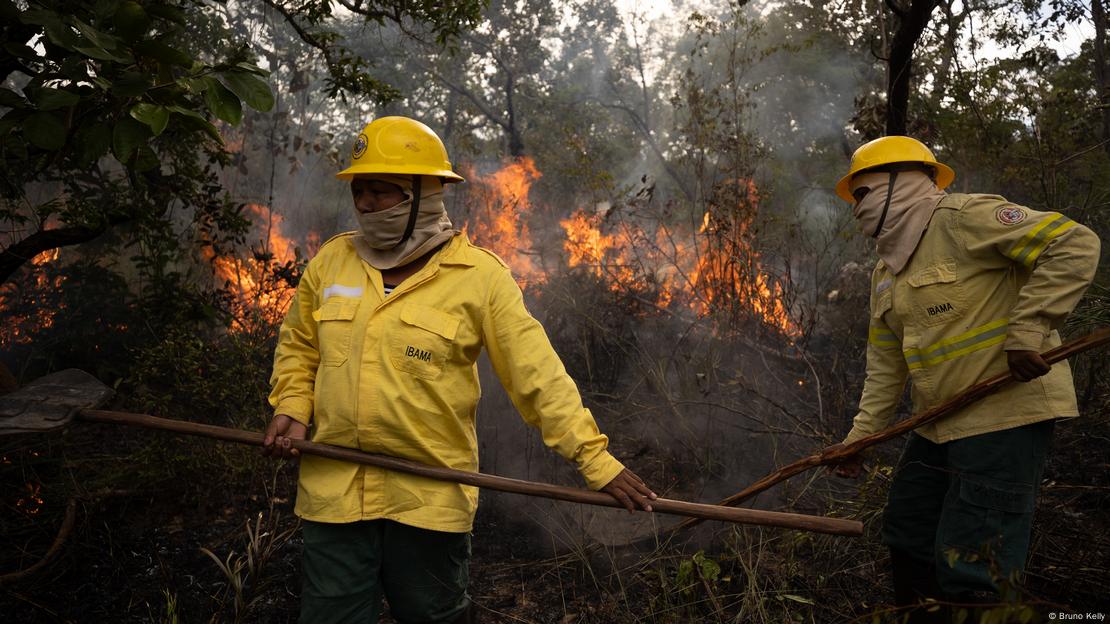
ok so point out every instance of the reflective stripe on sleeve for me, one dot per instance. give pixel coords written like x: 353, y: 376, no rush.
x: 1033, y: 243
x: 882, y: 338
x: 1036, y: 252
x: 957, y: 346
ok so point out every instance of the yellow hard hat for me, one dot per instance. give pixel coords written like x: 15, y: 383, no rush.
x: 399, y: 145
x: 888, y: 150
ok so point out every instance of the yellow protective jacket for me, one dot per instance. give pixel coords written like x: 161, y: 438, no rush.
x: 397, y: 375
x: 988, y: 276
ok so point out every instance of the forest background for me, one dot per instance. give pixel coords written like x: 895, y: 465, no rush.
x: 659, y: 178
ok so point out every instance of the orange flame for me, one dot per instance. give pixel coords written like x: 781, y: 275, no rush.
x: 259, y: 300
x: 499, y: 207
x: 601, y: 255
x: 711, y: 270
x: 19, y: 328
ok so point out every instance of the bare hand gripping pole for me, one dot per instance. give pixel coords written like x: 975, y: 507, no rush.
x: 52, y: 402
x: 839, y: 452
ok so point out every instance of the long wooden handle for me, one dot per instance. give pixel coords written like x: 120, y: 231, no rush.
x: 818, y: 524
x: 838, y: 452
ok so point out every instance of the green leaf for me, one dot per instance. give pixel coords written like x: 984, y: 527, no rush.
x: 51, y: 99
x: 62, y: 35
x: 39, y: 17
x: 131, y: 21
x: 194, y: 85
x: 187, y: 112
x: 153, y: 115
x: 44, y: 130
x: 98, y: 39
x: 130, y: 84
x: 197, y: 122
x: 11, y: 99
x: 223, y: 103
x: 92, y: 141
x: 708, y: 568
x: 254, y: 69
x: 101, y: 54
x: 161, y: 52
x: 127, y: 136
x: 19, y: 50
x: 251, y: 89
x: 6, y: 126
x: 145, y: 159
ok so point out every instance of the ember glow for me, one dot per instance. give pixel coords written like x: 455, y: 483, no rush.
x: 258, y: 298
x: 18, y: 329
x: 499, y: 207
x: 31, y: 501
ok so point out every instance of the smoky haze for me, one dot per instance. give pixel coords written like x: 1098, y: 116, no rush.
x: 612, y: 109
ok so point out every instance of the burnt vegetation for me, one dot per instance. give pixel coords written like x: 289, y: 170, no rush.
x: 660, y: 184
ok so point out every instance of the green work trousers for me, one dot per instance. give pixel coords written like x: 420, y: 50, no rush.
x: 349, y: 567
x: 966, y: 506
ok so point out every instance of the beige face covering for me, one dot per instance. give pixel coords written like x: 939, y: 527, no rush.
x: 380, y: 244
x: 913, y: 200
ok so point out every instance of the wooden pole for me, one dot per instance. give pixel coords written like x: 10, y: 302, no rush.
x: 818, y: 524
x: 838, y: 452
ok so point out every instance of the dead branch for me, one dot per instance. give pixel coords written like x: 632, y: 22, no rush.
x: 55, y: 548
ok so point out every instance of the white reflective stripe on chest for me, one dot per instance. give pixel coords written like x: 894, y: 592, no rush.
x: 343, y: 291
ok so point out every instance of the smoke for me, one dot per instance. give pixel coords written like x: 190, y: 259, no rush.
x: 697, y: 412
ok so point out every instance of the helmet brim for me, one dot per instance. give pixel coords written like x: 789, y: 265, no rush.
x: 945, y: 177
x: 446, y: 175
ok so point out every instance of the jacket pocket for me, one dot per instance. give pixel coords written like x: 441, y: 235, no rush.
x: 423, y: 341
x: 936, y: 294
x: 880, y: 305
x: 334, y: 321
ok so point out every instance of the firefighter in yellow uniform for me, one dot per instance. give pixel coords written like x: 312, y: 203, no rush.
x: 378, y: 353
x: 968, y: 286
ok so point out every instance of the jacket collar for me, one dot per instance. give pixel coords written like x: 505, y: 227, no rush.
x: 457, y: 251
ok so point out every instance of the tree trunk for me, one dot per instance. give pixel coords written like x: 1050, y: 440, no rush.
x: 1098, y: 16
x: 516, y: 142
x: 911, y: 23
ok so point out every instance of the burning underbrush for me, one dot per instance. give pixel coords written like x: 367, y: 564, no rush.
x: 685, y: 336
x: 649, y: 258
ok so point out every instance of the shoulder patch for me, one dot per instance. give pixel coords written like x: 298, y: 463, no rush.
x: 1010, y: 215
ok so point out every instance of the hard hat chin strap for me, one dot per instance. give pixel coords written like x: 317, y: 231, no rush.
x: 886, y: 206
x: 414, y: 210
